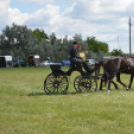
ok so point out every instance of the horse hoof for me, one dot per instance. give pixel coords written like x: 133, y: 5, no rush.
x: 127, y: 89
x: 109, y: 91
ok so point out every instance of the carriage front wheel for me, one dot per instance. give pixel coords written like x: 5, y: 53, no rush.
x: 87, y: 83
x: 56, y: 83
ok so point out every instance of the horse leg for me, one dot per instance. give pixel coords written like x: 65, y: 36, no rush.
x: 131, y: 80
x: 110, y: 81
x: 101, y: 83
x: 118, y: 79
x: 103, y: 78
x: 115, y: 85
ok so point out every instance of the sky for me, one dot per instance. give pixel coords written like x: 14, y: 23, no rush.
x: 107, y: 20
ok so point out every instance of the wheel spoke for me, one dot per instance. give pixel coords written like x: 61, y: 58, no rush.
x: 63, y: 84
x: 77, y: 83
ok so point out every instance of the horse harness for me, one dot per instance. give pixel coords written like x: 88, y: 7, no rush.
x: 128, y: 67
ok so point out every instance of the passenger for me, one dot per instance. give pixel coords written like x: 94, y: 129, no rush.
x: 75, y: 58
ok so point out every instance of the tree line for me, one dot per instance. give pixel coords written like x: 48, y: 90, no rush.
x: 21, y: 41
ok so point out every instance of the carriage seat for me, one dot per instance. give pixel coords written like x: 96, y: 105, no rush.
x: 55, y: 66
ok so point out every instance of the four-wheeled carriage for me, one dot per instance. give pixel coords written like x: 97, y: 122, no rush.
x: 57, y: 81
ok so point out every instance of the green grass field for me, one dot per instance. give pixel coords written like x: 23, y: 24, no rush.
x: 26, y: 109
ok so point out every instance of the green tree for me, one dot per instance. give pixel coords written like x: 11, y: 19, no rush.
x: 116, y: 52
x: 40, y: 34
x: 17, y: 41
x: 96, y: 45
x: 78, y: 38
x: 66, y: 46
x: 20, y: 41
x: 53, y: 39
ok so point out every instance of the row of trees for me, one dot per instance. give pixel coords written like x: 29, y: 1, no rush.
x: 20, y: 41
x: 118, y: 52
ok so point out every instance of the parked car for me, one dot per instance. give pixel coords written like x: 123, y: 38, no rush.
x: 65, y: 63
x: 91, y: 62
x: 19, y: 63
x: 45, y: 63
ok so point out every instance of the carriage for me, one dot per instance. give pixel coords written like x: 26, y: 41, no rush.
x: 57, y: 81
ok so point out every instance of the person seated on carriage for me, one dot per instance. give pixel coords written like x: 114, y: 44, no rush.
x: 76, y: 59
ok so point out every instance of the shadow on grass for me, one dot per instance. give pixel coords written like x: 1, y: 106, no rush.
x: 43, y: 93
x: 36, y: 94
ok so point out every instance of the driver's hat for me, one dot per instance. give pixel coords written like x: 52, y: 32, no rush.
x: 75, y: 42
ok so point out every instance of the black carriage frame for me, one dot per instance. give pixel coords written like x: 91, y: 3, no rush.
x: 57, y: 81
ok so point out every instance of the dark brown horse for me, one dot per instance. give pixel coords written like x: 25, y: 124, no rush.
x: 114, y: 67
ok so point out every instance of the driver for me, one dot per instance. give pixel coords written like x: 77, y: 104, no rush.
x: 75, y: 58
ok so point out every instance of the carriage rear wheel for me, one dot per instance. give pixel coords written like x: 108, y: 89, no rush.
x: 77, y: 83
x: 56, y: 84
x: 87, y: 83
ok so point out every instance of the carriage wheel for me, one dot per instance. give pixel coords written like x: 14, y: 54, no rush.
x: 77, y: 83
x: 94, y: 84
x: 87, y: 83
x: 49, y: 84
x: 56, y: 83
x: 63, y: 84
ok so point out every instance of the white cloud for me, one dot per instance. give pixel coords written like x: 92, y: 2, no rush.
x: 91, y: 9
x: 44, y: 1
x: 16, y: 16
x: 105, y: 19
x: 109, y: 18
x: 70, y: 9
x: 4, y: 5
x: 46, y: 16
x: 36, y: 1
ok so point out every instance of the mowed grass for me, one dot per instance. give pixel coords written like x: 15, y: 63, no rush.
x: 26, y: 109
